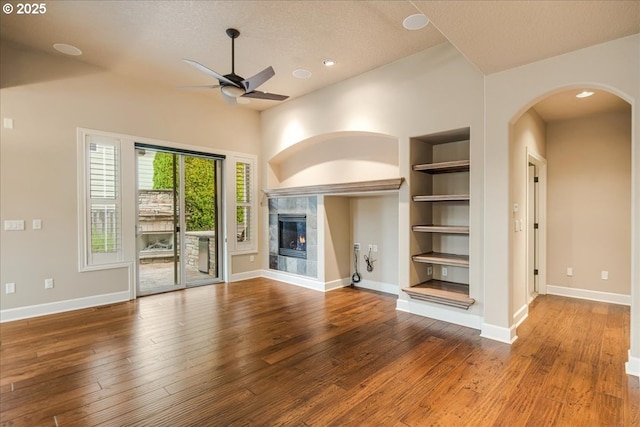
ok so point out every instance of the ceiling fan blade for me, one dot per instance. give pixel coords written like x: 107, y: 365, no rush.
x: 212, y: 73
x: 199, y: 87
x: 264, y: 95
x: 252, y: 83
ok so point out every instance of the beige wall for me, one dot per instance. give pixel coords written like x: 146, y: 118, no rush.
x: 49, y: 97
x: 528, y: 136
x: 589, y: 203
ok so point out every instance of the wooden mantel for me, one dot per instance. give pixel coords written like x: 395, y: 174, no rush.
x: 344, y: 188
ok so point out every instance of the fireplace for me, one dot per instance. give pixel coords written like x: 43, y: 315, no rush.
x: 292, y: 235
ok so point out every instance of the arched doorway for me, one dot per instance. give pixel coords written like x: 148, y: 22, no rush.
x: 570, y: 192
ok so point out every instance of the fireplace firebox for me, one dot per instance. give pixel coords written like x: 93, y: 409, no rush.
x: 292, y: 235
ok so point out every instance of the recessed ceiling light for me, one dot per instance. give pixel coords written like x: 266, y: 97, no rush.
x: 415, y: 22
x: 584, y: 94
x: 329, y: 62
x: 67, y: 49
x: 301, y: 73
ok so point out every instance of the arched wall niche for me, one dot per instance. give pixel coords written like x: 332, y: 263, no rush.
x: 339, y: 157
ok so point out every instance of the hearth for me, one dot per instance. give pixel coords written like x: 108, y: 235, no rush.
x: 292, y: 235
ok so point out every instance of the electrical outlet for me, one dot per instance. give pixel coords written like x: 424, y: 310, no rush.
x: 252, y: 258
x: 375, y: 248
x: 10, y: 288
x: 445, y: 271
x: 430, y: 271
x: 356, y: 246
x: 604, y: 275
x: 48, y: 283
x: 569, y: 271
x: 370, y: 248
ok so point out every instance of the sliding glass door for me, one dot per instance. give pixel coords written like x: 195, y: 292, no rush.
x: 178, y: 239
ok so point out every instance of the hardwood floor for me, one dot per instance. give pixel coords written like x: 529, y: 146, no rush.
x: 260, y: 352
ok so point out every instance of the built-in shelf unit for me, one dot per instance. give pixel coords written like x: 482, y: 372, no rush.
x: 440, y: 218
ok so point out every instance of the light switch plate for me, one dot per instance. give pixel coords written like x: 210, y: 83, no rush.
x: 14, y: 224
x: 36, y: 224
x: 10, y: 288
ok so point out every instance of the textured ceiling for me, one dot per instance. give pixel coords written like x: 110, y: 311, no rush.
x: 565, y: 105
x: 498, y: 35
x: 149, y: 39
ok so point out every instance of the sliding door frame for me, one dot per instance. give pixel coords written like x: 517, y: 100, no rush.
x: 179, y: 227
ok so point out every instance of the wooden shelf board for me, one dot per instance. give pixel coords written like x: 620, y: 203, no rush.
x: 442, y: 198
x: 392, y: 184
x: 443, y: 259
x: 441, y: 292
x: 443, y: 167
x: 445, y: 229
x: 454, y: 135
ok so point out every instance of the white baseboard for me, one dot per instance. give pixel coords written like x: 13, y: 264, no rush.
x: 236, y: 277
x: 377, y: 286
x: 27, y: 312
x: 521, y: 315
x: 337, y: 284
x: 435, y: 311
x: 303, y: 281
x: 632, y: 367
x: 402, y: 305
x: 499, y: 333
x: 589, y: 295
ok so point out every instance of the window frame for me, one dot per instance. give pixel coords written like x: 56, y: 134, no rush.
x: 87, y: 259
x: 251, y: 244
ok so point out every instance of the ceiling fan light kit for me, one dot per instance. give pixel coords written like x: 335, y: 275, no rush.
x: 233, y: 86
x: 232, y: 91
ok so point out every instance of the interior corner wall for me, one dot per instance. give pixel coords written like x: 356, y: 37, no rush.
x: 337, y: 235
x: 588, y: 203
x: 529, y: 136
x: 49, y: 96
x: 613, y: 66
x: 375, y: 222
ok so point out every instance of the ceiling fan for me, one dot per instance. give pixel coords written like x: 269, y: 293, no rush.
x: 233, y: 86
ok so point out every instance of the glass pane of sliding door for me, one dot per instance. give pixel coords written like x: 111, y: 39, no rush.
x: 177, y: 224
x: 201, y: 219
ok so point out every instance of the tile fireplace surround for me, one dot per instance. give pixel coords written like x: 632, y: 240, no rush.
x: 307, y: 205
